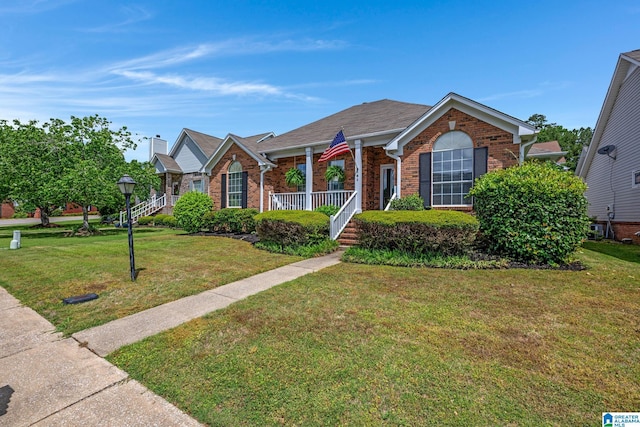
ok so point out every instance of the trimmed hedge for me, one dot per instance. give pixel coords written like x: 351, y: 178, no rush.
x: 533, y: 213
x: 145, y: 220
x: 446, y: 232
x: 231, y: 220
x: 190, y: 209
x: 292, y: 228
x: 412, y: 202
x: 328, y: 210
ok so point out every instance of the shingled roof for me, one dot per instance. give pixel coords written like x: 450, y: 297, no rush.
x: 168, y: 162
x: 356, y: 122
x: 207, y: 143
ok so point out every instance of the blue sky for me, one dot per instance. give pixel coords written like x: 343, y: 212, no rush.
x: 247, y: 67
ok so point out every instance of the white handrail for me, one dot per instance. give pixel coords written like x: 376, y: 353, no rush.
x: 339, y: 221
x: 145, y: 208
x: 393, y: 197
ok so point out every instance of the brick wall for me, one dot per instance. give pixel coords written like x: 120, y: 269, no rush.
x: 248, y: 165
x: 502, y: 151
x: 6, y: 210
x: 626, y: 230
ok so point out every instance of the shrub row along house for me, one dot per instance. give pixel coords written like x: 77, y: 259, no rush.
x: 396, y: 149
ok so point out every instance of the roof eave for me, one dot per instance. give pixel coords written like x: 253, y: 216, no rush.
x: 619, y: 75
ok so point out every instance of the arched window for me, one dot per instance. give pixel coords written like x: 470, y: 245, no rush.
x: 452, y: 166
x: 234, y: 192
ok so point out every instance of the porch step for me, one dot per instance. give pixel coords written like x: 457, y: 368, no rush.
x: 349, y: 236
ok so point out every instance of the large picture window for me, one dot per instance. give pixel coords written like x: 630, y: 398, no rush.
x: 452, y: 168
x: 234, y: 192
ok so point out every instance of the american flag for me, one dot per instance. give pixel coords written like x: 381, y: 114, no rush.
x: 338, y: 146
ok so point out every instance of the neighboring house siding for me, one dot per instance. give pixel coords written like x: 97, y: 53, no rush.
x: 502, y: 152
x: 609, y: 180
x: 189, y: 156
x: 249, y: 165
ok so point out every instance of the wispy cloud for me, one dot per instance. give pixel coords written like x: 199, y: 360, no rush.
x: 209, y: 84
x: 542, y: 89
x: 231, y: 47
x: 132, y: 15
x: 32, y: 6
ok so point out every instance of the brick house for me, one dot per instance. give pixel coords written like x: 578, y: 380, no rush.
x: 397, y: 149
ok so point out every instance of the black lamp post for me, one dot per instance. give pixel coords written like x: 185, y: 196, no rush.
x: 127, y: 184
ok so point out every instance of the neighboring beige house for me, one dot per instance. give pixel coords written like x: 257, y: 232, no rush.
x: 610, y: 165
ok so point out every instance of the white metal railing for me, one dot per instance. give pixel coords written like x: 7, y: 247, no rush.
x: 339, y: 221
x: 393, y: 197
x: 144, y: 208
x: 174, y: 199
x: 297, y: 201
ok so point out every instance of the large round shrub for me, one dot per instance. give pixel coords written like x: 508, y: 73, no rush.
x: 534, y: 213
x: 190, y: 209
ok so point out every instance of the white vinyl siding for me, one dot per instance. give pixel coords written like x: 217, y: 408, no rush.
x: 189, y: 157
x: 608, y: 180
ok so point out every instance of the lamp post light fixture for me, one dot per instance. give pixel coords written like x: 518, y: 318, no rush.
x: 126, y: 185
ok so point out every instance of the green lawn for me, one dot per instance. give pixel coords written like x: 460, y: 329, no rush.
x: 371, y: 345
x: 172, y: 265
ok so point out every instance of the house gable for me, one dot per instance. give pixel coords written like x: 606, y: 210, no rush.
x: 248, y: 145
x: 610, y: 175
x: 520, y: 131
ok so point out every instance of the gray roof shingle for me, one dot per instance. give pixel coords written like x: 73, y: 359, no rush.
x: 207, y: 143
x: 634, y: 54
x: 362, y: 119
x: 168, y: 162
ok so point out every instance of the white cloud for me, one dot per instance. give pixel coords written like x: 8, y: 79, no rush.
x: 209, y: 84
x: 132, y: 15
x: 32, y: 6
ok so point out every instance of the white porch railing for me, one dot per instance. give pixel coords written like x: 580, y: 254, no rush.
x: 144, y: 208
x: 287, y: 201
x: 297, y: 201
x: 393, y: 197
x: 339, y: 221
x: 174, y: 199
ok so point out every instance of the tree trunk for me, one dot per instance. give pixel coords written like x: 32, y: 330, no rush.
x: 85, y: 218
x: 44, y: 216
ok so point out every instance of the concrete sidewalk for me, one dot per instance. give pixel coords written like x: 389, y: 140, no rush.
x: 109, y: 337
x: 51, y: 381
x: 46, y: 380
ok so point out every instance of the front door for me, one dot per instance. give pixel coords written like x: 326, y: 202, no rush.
x: 387, y: 184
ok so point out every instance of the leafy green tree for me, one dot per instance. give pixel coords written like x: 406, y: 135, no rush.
x: 5, y: 139
x: 95, y: 162
x: 571, y: 141
x: 33, y: 161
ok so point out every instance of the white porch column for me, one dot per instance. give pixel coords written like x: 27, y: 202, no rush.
x: 308, y: 179
x: 358, y: 179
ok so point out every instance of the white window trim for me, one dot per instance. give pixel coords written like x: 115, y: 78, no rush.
x: 634, y: 173
x: 463, y: 205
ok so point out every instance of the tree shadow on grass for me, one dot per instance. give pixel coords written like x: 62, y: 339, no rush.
x: 630, y: 253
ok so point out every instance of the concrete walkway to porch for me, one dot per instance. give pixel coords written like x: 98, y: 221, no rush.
x: 46, y: 380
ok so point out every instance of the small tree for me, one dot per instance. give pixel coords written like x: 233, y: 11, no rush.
x: 532, y: 213
x: 190, y: 211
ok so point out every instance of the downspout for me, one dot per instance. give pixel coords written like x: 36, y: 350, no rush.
x: 398, y: 160
x: 263, y: 169
x: 308, y: 180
